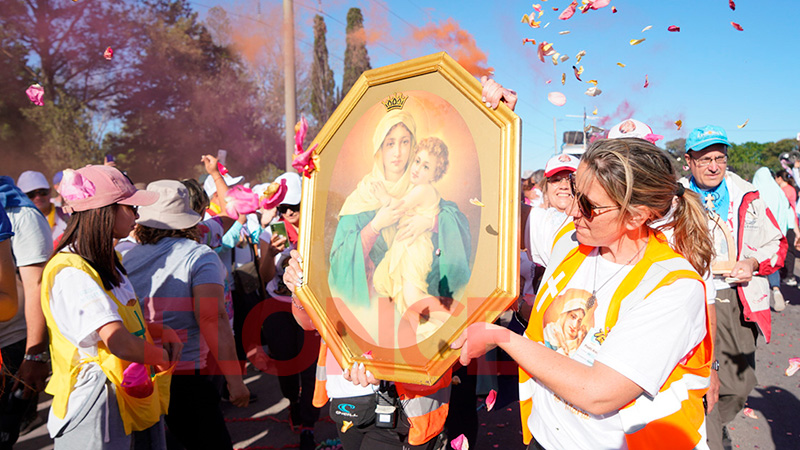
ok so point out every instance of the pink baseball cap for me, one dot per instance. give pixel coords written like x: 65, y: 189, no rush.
x: 561, y: 162
x: 94, y: 187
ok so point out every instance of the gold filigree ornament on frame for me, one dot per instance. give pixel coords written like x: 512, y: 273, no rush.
x: 410, y: 231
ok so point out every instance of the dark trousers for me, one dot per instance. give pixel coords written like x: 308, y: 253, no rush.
x: 12, y: 409
x: 735, y: 348
x: 285, y: 340
x: 194, y: 418
x: 788, y: 264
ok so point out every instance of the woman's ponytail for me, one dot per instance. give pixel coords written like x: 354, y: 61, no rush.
x: 692, y: 237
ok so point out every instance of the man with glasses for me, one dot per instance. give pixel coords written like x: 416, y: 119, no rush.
x: 35, y: 186
x: 742, y: 303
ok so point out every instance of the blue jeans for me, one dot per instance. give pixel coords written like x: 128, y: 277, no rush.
x: 774, y: 279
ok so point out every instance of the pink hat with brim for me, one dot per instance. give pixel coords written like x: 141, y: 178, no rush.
x: 94, y: 187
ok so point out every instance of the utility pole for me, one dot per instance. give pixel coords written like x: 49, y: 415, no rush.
x: 289, y: 79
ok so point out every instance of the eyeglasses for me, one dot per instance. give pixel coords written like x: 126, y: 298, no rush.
x: 283, y: 209
x: 705, y: 161
x: 38, y: 193
x: 585, y: 207
x: 558, y: 179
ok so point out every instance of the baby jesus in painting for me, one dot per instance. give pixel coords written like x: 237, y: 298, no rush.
x: 402, y: 274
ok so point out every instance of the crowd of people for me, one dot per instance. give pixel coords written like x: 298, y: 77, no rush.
x: 642, y: 295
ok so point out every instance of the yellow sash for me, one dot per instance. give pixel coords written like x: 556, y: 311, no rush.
x: 137, y: 413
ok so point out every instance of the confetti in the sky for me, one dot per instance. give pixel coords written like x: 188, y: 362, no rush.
x: 737, y: 26
x: 621, y: 65
x: 592, y: 82
x: 646, y: 81
x: 580, y: 55
x: 732, y: 5
x: 563, y: 78
x: 555, y: 58
x: 673, y: 28
x: 569, y: 11
x: 637, y: 41
x: 594, y: 113
x: 557, y: 98
x: 593, y: 91
x: 647, y: 28
x: 564, y: 58
x: 563, y: 32
x: 108, y: 54
x: 679, y: 123
x: 744, y: 124
x: 548, y: 81
x: 613, y: 9
x: 526, y: 40
x: 576, y: 72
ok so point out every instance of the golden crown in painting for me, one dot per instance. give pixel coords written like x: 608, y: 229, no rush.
x: 394, y: 101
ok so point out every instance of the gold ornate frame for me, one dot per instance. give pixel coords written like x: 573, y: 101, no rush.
x: 494, y: 279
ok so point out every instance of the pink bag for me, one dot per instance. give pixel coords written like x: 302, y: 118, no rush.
x: 136, y: 381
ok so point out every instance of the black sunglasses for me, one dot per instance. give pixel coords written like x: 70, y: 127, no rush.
x: 585, y: 207
x: 284, y: 208
x: 38, y: 193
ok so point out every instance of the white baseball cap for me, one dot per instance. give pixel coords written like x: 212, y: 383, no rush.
x: 211, y: 188
x: 632, y: 128
x: 294, y: 187
x: 561, y: 162
x: 30, y: 180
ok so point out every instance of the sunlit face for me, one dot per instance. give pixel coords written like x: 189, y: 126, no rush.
x: 604, y: 228
x: 124, y: 221
x: 423, y: 168
x: 559, y: 193
x: 572, y: 324
x: 710, y: 176
x: 395, y: 150
x: 290, y: 213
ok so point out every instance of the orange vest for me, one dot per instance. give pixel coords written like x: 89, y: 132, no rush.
x: 425, y: 406
x: 648, y: 423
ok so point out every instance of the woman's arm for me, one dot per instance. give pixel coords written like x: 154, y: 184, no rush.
x: 596, y: 389
x: 209, y: 311
x: 128, y: 347
x: 269, y: 249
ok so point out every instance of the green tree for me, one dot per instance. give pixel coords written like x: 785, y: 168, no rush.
x: 323, y: 99
x: 745, y: 159
x: 773, y: 150
x: 356, y: 59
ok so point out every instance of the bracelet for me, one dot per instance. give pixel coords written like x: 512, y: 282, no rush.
x: 43, y: 357
x: 296, y: 304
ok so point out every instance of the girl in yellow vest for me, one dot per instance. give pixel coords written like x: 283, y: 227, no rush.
x: 637, y: 378
x: 96, y: 326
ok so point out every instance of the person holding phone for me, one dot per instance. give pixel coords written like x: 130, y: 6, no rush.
x: 285, y: 338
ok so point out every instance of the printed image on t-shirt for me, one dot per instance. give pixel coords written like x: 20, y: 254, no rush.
x: 568, y: 320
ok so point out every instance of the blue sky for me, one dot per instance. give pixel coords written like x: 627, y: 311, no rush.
x: 706, y: 73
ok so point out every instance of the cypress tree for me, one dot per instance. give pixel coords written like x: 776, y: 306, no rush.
x: 356, y: 59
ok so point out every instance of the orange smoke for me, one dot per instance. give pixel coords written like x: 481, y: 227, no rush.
x: 459, y: 43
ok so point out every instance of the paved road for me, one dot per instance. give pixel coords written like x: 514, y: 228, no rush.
x: 776, y: 402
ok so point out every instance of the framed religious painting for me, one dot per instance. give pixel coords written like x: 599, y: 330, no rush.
x: 409, y: 225
x: 724, y: 247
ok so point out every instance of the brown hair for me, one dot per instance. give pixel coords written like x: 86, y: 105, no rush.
x: 90, y: 234
x: 634, y: 172
x: 197, y: 196
x: 437, y: 149
x: 148, y: 235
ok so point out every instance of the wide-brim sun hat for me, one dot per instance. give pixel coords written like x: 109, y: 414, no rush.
x: 96, y: 186
x: 172, y: 211
x: 702, y: 137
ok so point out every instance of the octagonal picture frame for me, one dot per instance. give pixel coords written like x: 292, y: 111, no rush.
x: 409, y: 228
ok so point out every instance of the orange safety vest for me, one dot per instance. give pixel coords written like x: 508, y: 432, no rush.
x: 675, y: 417
x: 425, y: 406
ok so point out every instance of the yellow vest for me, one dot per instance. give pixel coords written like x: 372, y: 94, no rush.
x: 675, y: 417
x: 137, y: 413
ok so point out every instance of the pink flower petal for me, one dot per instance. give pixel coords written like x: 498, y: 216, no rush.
x: 748, y: 412
x: 646, y: 81
x: 491, y: 399
x: 794, y: 366
x: 597, y: 4
x: 460, y: 443
x: 35, y: 93
x: 613, y: 9
x: 577, y: 73
x: 557, y: 98
x: 108, y: 54
x: 569, y: 11
x: 737, y: 26
x: 732, y: 5
x: 673, y: 28
x: 367, y: 354
x: 74, y: 187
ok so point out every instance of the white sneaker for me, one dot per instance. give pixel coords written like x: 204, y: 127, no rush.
x: 777, y: 298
